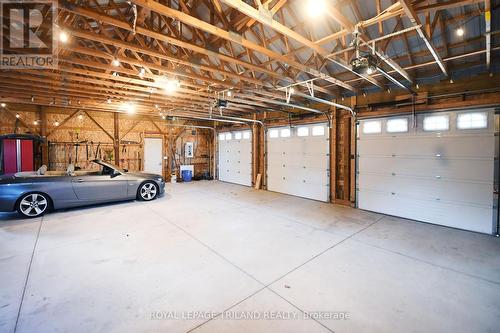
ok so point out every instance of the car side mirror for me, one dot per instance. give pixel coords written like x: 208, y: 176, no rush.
x: 115, y: 174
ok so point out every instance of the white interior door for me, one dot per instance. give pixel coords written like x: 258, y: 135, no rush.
x: 297, y: 161
x: 235, y: 157
x: 440, y: 171
x: 153, y: 155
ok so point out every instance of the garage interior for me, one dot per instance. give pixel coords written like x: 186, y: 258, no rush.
x: 331, y: 166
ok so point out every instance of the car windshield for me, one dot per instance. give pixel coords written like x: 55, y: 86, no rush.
x: 108, y: 169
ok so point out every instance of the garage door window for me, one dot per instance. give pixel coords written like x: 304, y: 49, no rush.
x: 399, y: 125
x: 246, y: 135
x: 436, y: 123
x: 285, y: 133
x: 302, y: 131
x: 318, y: 130
x: 372, y: 127
x: 228, y: 136
x: 237, y: 135
x: 472, y: 120
x: 274, y: 133
x: 222, y: 136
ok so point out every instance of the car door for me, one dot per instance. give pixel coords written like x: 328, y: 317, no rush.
x: 100, y: 187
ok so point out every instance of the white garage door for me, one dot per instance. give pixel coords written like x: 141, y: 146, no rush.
x: 297, y: 161
x: 235, y: 157
x: 440, y: 171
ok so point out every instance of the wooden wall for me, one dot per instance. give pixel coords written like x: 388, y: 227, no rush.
x: 78, y: 136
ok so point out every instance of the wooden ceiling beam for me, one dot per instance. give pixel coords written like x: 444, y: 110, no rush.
x: 202, y: 25
x: 99, y: 17
x: 413, y: 16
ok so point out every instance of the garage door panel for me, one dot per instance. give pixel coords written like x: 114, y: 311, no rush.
x: 302, y: 162
x: 444, y: 178
x: 475, y: 218
x: 459, y: 192
x: 307, y: 160
x: 235, y: 161
x: 472, y: 169
x: 451, y: 146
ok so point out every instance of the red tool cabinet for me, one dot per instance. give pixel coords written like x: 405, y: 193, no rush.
x: 17, y: 155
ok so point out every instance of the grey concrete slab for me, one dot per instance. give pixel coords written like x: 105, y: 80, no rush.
x: 386, y: 292
x: 263, y: 312
x: 13, y: 271
x: 17, y: 235
x: 325, y: 216
x: 110, y: 268
x: 114, y: 284
x: 467, y: 252
x: 263, y: 245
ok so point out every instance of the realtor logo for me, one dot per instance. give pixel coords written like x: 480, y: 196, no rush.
x: 28, y: 29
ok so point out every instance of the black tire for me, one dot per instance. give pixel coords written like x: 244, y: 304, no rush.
x: 33, y: 204
x: 148, y: 191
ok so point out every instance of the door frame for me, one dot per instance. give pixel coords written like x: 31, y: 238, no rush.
x: 154, y: 136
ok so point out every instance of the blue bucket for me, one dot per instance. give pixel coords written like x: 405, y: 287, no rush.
x: 187, y: 175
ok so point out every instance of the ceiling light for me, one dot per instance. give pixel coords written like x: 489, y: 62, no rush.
x: 3, y: 105
x: 56, y: 123
x: 171, y: 86
x: 18, y: 115
x: 417, y: 86
x: 389, y: 90
x: 364, y: 94
x: 115, y: 62
x: 142, y: 72
x: 292, y: 90
x: 80, y: 117
x: 35, y: 122
x: 63, y: 36
x: 451, y: 81
x: 129, y: 107
x: 229, y: 93
x: 115, y: 74
x: 109, y: 100
x: 460, y: 32
x: 32, y: 99
x: 316, y: 7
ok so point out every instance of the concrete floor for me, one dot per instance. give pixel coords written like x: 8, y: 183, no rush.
x: 174, y: 264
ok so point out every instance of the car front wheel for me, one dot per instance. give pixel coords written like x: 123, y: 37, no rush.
x: 148, y: 191
x: 33, y: 205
